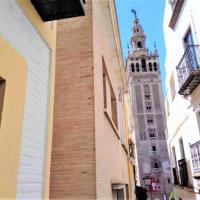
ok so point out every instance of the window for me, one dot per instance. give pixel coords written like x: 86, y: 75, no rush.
x: 148, y: 108
x: 147, y: 96
x: 156, y: 165
x: 188, y: 39
x: 150, y: 121
x: 168, y: 180
x: 132, y: 67
x: 2, y: 92
x: 137, y: 67
x: 150, y: 66
x: 110, y: 103
x: 119, y: 191
x: 152, y: 133
x: 175, y: 169
x: 146, y: 91
x: 148, y: 105
x: 172, y: 86
x: 143, y: 63
x: 136, y: 30
x: 139, y: 44
x: 153, y: 148
x: 190, y: 52
x: 159, y: 187
x: 155, y: 66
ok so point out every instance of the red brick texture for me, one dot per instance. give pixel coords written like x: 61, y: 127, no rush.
x: 73, y: 148
x: 87, y: 155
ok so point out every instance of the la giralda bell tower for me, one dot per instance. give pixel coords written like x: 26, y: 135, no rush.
x: 145, y: 86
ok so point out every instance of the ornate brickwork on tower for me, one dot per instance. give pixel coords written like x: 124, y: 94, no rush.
x: 144, y: 79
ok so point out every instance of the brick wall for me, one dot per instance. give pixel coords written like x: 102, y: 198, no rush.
x: 87, y: 155
x: 73, y: 150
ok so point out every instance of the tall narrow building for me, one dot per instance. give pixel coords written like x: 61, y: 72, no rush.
x: 91, y: 145
x: 144, y: 80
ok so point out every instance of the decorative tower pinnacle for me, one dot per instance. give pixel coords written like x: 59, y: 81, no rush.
x: 138, y: 39
x: 128, y: 48
x: 155, y: 49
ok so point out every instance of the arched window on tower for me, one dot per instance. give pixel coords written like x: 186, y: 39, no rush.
x: 136, y: 30
x: 150, y: 121
x: 150, y: 66
x: 156, y: 165
x: 132, y: 67
x: 137, y: 67
x: 139, y: 44
x: 144, y: 67
x: 155, y: 66
x: 154, y: 148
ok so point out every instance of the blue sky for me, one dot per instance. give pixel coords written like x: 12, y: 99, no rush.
x: 150, y: 14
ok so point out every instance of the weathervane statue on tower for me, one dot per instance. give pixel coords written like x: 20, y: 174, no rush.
x: 134, y: 12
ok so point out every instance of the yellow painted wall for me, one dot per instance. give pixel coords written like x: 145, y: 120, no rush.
x: 48, y: 32
x: 13, y: 69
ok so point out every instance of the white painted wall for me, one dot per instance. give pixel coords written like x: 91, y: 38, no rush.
x: 17, y: 29
x: 181, y: 121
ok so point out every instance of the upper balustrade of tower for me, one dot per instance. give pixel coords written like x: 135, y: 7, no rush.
x: 141, y: 63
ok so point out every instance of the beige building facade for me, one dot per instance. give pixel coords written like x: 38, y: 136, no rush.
x: 182, y: 36
x: 27, y: 75
x: 92, y: 145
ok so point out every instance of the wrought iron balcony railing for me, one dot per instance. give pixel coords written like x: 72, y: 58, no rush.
x: 156, y: 170
x: 195, y: 154
x: 188, y: 70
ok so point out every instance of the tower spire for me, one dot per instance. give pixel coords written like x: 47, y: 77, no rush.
x: 138, y: 39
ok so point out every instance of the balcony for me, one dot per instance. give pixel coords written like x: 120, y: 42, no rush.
x: 58, y: 9
x: 152, y: 138
x: 156, y: 170
x: 176, y: 12
x: 188, y: 70
x: 195, y: 154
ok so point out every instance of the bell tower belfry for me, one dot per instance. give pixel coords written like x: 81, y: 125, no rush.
x: 145, y: 87
x: 138, y: 40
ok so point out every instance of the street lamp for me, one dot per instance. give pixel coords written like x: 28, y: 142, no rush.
x: 147, y: 181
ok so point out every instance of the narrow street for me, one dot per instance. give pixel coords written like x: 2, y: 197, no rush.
x: 99, y: 100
